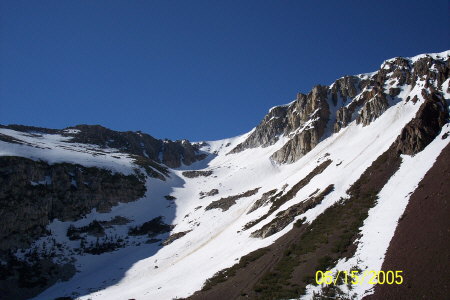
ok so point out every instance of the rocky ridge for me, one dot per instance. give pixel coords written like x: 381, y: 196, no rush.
x: 42, y: 192
x: 170, y: 153
x: 363, y: 98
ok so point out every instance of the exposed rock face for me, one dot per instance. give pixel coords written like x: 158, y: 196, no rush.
x: 427, y: 124
x: 267, y: 132
x: 175, y: 236
x: 212, y: 192
x: 35, y: 193
x: 313, y: 119
x: 193, y: 174
x: 326, y: 109
x: 371, y: 110
x: 285, y: 217
x: 171, y: 153
x: 262, y: 201
x: 227, y: 202
x: 151, y: 228
x: 304, y: 120
x: 277, y: 200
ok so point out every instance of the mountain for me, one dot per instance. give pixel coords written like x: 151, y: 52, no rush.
x: 349, y: 177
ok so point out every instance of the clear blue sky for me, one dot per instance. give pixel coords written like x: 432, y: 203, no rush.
x: 191, y: 69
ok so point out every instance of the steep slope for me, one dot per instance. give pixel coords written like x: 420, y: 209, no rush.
x: 424, y: 227
x: 319, y: 184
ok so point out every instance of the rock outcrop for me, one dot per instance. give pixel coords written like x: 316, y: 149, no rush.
x: 363, y: 99
x: 225, y: 203
x: 175, y: 236
x: 211, y: 193
x: 427, y: 124
x: 285, y: 217
x: 33, y: 193
x: 194, y: 174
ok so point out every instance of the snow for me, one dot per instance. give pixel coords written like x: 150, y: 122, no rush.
x: 54, y: 148
x: 379, y: 227
x: 215, y: 239
x: 71, y: 131
x: 282, y: 105
x: 215, y: 243
x: 436, y: 56
x: 47, y: 180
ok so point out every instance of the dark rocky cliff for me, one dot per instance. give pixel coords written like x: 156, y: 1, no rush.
x: 33, y: 193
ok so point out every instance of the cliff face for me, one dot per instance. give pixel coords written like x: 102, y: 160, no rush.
x: 307, y: 111
x: 427, y: 124
x: 33, y: 193
x: 363, y: 98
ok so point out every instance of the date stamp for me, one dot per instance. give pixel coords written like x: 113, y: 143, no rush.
x: 355, y: 277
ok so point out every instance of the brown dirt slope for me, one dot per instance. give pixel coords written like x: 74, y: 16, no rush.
x: 421, y: 243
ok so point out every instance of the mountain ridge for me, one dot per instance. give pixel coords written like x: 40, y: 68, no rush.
x: 308, y: 163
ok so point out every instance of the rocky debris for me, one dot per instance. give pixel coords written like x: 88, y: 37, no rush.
x: 151, y: 228
x: 327, y: 239
x: 193, y: 174
x: 285, y: 217
x: 170, y: 198
x: 212, y: 192
x: 227, y: 202
x: 425, y: 126
x: 263, y: 200
x: 298, y: 186
x: 364, y: 98
x: 36, y: 193
x: 278, y: 199
x: 175, y: 236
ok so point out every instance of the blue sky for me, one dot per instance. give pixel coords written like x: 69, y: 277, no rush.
x: 199, y: 70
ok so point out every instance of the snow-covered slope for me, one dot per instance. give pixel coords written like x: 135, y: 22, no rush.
x: 208, y: 232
